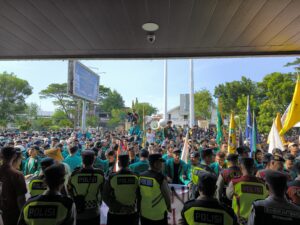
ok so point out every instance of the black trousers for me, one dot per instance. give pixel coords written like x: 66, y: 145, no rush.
x: 115, y: 219
x: 145, y: 221
x: 91, y: 221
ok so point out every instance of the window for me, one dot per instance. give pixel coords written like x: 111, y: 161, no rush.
x: 169, y: 116
x: 185, y: 117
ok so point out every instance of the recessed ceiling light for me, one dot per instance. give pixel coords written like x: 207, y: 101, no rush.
x: 150, y: 27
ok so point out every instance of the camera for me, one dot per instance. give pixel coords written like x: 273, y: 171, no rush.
x: 151, y: 38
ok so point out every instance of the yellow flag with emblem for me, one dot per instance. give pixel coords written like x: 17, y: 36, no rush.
x: 232, y: 135
x: 293, y: 115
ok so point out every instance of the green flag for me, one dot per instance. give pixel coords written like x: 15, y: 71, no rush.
x: 219, y: 128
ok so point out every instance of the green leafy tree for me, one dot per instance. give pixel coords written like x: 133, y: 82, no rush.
x: 60, y: 118
x: 13, y: 92
x: 92, y: 121
x: 67, y: 103
x: 277, y: 89
x: 203, y: 103
x: 230, y: 93
x: 117, y: 116
x: 112, y: 100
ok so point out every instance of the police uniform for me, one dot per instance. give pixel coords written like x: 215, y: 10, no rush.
x: 198, y: 171
x: 155, y: 196
x: 206, y: 210
x: 243, y: 191
x: 121, y: 194
x: 225, y: 177
x: 37, y: 184
x: 275, y: 210
x: 85, y: 186
x: 50, y: 208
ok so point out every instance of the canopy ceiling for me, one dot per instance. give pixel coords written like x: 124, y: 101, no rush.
x: 35, y: 29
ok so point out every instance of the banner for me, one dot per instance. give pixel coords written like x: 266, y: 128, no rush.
x: 179, y: 195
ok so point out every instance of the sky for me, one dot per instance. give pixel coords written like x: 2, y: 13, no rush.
x: 144, y: 78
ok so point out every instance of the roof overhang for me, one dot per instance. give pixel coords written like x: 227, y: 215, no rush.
x: 48, y: 29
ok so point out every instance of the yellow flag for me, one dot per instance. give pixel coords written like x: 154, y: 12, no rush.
x: 293, y: 115
x: 232, y: 135
x: 279, y: 126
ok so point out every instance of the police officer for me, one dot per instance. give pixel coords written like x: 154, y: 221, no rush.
x: 85, y: 186
x: 293, y: 191
x: 50, y: 208
x: 121, y: 195
x: 37, y: 185
x: 275, y: 210
x: 193, y: 167
x: 244, y: 190
x: 204, y: 167
x: 233, y: 171
x: 206, y: 209
x: 155, y: 193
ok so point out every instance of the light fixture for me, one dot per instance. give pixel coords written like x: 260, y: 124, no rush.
x: 150, y: 27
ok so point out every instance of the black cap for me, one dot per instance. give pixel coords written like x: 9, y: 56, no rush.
x: 194, y: 154
x: 267, y: 158
x: 46, y: 162
x: 289, y: 157
x: 278, y: 157
x: 207, y: 152
x: 248, y: 162
x: 8, y: 152
x: 55, y: 171
x: 87, y: 153
x: 156, y: 157
x: 279, y: 177
x: 207, y: 179
x: 123, y: 158
x: 144, y: 153
x: 176, y: 151
x: 232, y: 157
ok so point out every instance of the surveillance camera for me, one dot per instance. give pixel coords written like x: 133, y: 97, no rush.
x: 151, y: 38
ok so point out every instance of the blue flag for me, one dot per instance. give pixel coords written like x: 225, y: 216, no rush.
x: 254, y: 136
x: 248, y: 130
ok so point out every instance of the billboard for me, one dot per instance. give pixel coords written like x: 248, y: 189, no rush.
x: 82, y: 82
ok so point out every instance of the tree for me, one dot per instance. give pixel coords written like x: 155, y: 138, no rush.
x: 277, y: 89
x: 32, y: 110
x: 296, y: 64
x: 203, y: 103
x: 65, y: 102
x: 117, y: 116
x: 112, y: 100
x: 60, y: 118
x: 13, y: 92
x: 230, y: 93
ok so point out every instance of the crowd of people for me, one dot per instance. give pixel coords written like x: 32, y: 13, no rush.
x: 63, y: 178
